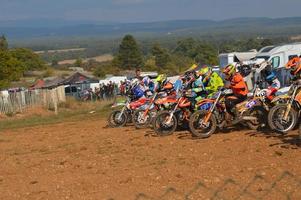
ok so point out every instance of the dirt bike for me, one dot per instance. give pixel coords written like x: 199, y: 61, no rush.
x: 284, y: 116
x: 166, y: 122
x: 121, y: 117
x: 212, y: 114
x: 143, y: 116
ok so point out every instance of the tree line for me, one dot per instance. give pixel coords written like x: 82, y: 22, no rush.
x: 132, y: 54
x: 14, y: 62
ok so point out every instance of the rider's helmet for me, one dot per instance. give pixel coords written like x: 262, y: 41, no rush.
x: 161, y: 79
x: 146, y: 81
x: 192, y: 68
x: 205, y: 72
x: 269, y: 76
x: 138, y: 92
x: 134, y: 82
x: 229, y: 71
x: 294, y: 65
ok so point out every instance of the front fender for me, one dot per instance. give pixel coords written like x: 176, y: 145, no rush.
x: 281, y: 97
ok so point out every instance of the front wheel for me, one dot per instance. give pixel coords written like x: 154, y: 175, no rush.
x: 276, y: 118
x: 199, y: 128
x: 117, y: 119
x: 164, y: 124
x: 142, y: 119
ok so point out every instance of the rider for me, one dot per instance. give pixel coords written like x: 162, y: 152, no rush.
x: 160, y: 81
x: 136, y: 91
x: 147, y: 85
x: 211, y: 81
x: 273, y: 83
x: 238, y: 86
x: 295, y: 67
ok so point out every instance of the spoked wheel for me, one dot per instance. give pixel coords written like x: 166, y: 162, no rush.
x: 277, y: 119
x: 142, y: 119
x: 260, y: 115
x: 117, y: 119
x: 199, y: 128
x: 164, y: 125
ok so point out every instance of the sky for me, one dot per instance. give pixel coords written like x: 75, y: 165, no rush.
x: 146, y: 10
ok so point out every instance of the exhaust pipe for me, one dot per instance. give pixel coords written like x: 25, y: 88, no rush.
x: 249, y: 118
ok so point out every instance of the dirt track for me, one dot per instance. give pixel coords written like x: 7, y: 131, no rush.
x: 85, y: 160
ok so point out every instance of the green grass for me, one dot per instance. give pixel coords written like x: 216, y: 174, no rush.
x: 101, y: 111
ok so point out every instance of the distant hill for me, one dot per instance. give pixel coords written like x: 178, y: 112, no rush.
x: 27, y: 29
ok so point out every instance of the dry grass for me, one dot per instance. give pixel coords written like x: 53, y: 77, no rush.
x: 71, y: 110
x: 101, y: 58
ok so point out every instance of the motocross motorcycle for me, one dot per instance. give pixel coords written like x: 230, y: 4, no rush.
x: 284, y: 116
x: 211, y: 114
x: 166, y: 122
x: 161, y: 100
x: 120, y: 117
x: 143, y: 116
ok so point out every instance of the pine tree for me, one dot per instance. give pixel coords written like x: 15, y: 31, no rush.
x: 3, y: 43
x: 129, y: 55
x: 161, y: 55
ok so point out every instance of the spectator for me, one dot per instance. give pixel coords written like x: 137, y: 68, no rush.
x: 138, y: 75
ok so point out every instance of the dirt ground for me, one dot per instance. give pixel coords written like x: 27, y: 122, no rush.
x: 86, y: 160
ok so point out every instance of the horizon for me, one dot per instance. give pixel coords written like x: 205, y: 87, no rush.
x: 141, y: 11
x: 86, y: 22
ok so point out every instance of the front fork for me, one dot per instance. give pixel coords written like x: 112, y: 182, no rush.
x: 287, y: 111
x: 289, y: 106
x: 172, y: 114
x: 121, y: 113
x: 209, y: 114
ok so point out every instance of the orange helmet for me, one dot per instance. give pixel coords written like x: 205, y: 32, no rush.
x: 294, y: 65
x: 168, y: 86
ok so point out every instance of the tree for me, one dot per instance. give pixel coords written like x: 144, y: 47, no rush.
x: 266, y: 42
x: 186, y: 47
x: 78, y: 62
x: 99, y: 72
x: 11, y: 69
x: 129, y: 55
x: 252, y: 44
x: 3, y: 43
x: 206, y: 54
x: 30, y: 60
x: 161, y: 55
x: 199, y: 51
x: 54, y: 62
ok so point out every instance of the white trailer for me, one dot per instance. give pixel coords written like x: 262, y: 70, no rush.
x: 228, y: 58
x: 279, y: 56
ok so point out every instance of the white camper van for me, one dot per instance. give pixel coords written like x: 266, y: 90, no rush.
x: 279, y: 56
x: 228, y: 58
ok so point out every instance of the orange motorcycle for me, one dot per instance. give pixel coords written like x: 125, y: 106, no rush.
x: 180, y: 109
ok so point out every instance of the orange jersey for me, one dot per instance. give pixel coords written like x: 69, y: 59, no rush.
x: 238, y: 85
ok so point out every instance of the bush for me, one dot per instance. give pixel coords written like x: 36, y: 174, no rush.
x: 48, y: 73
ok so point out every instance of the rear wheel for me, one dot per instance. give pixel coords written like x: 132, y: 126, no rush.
x: 163, y: 125
x: 261, y: 118
x: 117, y: 119
x: 276, y: 118
x: 200, y: 129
